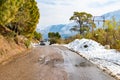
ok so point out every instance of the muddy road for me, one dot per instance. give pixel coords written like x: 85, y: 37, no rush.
x: 51, y: 63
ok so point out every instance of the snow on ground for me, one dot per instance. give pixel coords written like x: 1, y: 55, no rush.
x: 34, y: 44
x: 106, y: 59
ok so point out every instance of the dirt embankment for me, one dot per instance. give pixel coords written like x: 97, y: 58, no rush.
x: 9, y: 48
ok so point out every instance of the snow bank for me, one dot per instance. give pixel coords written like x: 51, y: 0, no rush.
x: 108, y: 59
x: 85, y: 45
x: 34, y: 44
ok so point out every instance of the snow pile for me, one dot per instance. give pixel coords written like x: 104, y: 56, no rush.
x: 34, y: 44
x: 108, y: 59
x: 85, y: 45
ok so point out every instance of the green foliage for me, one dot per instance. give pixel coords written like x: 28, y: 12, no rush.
x: 10, y: 34
x: 27, y: 43
x: 110, y: 35
x: 84, y: 21
x: 117, y: 45
x: 70, y: 39
x: 53, y: 41
x: 54, y: 37
x: 100, y: 36
x: 30, y: 17
x: 20, y: 16
x: 37, y: 36
x: 8, y: 9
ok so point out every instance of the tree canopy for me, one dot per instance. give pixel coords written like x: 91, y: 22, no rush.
x: 84, y: 21
x: 20, y: 16
x: 54, y: 35
x: 8, y: 9
x: 37, y: 36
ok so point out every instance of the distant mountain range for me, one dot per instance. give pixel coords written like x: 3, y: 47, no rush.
x: 110, y: 15
x: 64, y: 29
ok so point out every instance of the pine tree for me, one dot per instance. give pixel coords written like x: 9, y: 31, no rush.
x: 8, y: 9
x: 21, y: 16
x: 84, y: 21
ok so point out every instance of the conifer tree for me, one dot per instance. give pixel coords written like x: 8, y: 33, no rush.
x: 84, y: 21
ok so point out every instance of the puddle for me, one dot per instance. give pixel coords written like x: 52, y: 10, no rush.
x: 51, y: 61
x: 83, y: 64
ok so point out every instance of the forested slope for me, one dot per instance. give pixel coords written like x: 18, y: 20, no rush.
x: 18, y: 21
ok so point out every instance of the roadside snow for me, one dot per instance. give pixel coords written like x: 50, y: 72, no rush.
x: 34, y: 44
x: 106, y: 59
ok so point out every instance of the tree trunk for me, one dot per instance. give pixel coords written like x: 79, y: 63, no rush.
x: 80, y: 26
x: 4, y: 29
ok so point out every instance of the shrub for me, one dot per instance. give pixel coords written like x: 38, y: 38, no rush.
x: 27, y: 43
x: 37, y: 36
x: 16, y: 40
x: 53, y: 41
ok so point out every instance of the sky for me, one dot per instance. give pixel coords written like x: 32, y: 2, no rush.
x: 53, y: 12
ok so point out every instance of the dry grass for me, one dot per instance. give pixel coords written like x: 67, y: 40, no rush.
x: 9, y: 48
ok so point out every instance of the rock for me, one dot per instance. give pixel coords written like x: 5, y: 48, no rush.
x: 107, y: 46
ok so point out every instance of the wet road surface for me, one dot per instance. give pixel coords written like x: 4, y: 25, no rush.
x: 51, y: 63
x: 79, y: 68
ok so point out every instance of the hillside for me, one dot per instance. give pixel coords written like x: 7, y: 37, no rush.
x: 9, y: 48
x: 110, y: 15
x: 18, y: 21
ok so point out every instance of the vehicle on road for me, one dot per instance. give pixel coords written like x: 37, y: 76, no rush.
x: 42, y: 43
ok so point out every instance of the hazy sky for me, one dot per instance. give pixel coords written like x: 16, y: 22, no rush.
x: 59, y: 11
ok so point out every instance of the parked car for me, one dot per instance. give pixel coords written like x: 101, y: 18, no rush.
x: 42, y: 43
